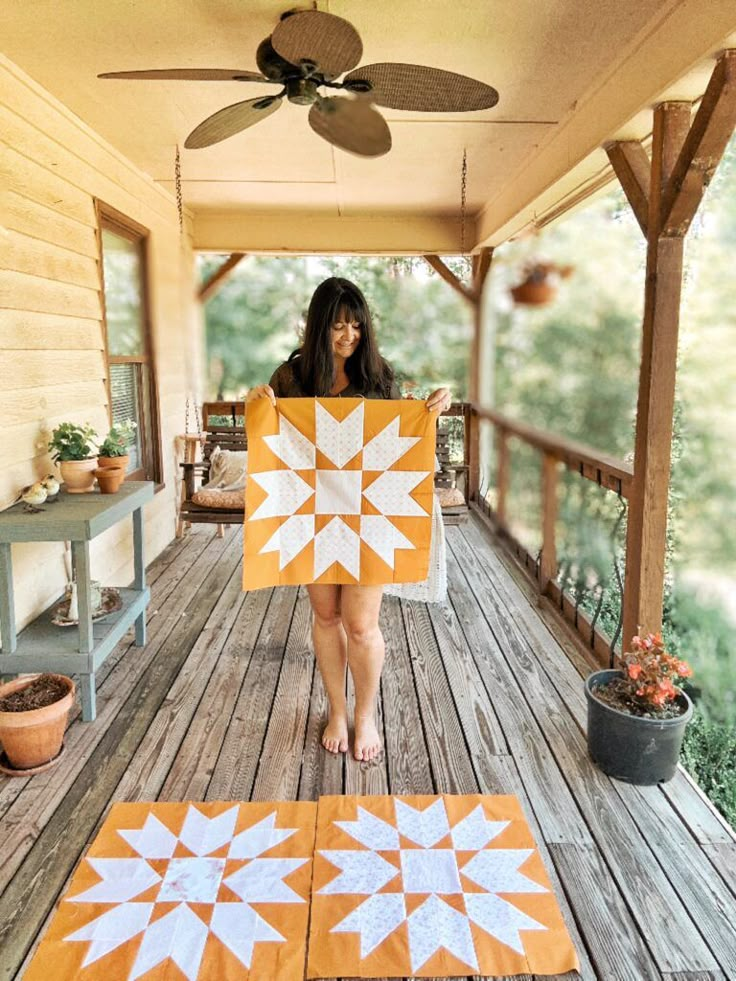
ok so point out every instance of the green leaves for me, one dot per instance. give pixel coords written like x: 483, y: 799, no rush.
x: 70, y: 441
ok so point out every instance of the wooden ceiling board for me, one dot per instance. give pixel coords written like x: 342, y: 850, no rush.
x: 587, y: 67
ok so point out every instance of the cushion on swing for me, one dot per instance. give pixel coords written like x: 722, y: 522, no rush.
x: 450, y: 497
x: 227, y: 500
x: 227, y: 470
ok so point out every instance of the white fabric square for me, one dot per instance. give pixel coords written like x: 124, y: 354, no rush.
x: 431, y: 870
x: 338, y: 492
x: 194, y: 880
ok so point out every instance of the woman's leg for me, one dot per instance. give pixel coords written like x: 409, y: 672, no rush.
x: 330, y: 649
x: 360, y: 606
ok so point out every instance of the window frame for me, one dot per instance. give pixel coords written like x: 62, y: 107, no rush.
x: 112, y: 220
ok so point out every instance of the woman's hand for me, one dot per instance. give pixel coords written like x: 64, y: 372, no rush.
x: 261, y: 392
x: 440, y: 400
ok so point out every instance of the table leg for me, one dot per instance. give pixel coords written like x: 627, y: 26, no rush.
x: 139, y: 579
x: 7, y: 602
x: 89, y: 698
x: 81, y: 564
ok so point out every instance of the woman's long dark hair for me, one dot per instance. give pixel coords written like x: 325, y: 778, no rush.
x: 314, y: 362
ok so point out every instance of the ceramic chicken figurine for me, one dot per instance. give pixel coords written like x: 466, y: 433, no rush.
x: 32, y: 496
x: 52, y: 486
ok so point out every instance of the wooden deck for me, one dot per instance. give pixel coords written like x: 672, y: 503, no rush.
x: 224, y: 703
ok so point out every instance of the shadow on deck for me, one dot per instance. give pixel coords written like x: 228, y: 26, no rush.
x: 224, y: 704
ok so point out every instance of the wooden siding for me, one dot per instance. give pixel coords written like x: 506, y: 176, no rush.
x: 224, y: 703
x: 52, y: 366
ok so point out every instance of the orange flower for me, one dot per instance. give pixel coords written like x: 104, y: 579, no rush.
x: 634, y: 670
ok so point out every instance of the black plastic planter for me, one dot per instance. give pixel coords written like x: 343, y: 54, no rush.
x: 630, y: 747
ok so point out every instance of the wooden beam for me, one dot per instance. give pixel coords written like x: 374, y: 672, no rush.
x: 548, y: 558
x: 709, y: 134
x: 481, y: 264
x: 449, y: 277
x: 503, y: 475
x: 631, y: 165
x: 208, y: 289
x: 647, y: 519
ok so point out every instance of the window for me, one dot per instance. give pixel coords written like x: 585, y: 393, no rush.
x: 131, y: 378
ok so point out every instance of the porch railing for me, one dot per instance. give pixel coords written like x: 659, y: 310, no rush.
x: 612, y: 474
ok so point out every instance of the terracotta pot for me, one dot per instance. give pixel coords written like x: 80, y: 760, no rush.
x: 78, y: 475
x: 533, y: 294
x: 32, y: 738
x: 113, y: 461
x: 109, y: 478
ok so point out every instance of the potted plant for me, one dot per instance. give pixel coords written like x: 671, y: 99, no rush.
x: 113, y: 450
x: 33, y: 716
x: 637, y: 715
x: 540, y: 283
x: 72, y: 447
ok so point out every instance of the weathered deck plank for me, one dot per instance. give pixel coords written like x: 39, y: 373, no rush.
x: 224, y: 703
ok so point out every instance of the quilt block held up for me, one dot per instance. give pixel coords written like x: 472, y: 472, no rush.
x: 339, y: 491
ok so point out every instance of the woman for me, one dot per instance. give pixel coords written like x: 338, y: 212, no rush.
x: 340, y: 356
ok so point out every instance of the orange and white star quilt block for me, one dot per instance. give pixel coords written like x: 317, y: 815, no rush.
x: 339, y: 491
x: 212, y: 892
x: 431, y: 886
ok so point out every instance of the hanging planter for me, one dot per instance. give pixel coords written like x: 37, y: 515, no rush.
x: 540, y: 283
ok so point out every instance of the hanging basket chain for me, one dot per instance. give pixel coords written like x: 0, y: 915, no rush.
x: 463, y: 198
x: 179, y: 200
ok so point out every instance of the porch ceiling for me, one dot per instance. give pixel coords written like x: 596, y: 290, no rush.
x: 573, y: 73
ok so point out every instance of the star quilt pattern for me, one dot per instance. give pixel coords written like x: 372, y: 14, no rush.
x: 431, y: 886
x: 218, y: 891
x: 396, y: 886
x: 339, y: 491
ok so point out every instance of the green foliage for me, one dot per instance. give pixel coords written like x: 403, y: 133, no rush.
x: 255, y: 321
x: 709, y: 754
x: 118, y: 440
x: 72, y: 442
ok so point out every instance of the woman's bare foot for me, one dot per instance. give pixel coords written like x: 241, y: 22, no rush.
x: 335, y: 736
x: 367, y: 740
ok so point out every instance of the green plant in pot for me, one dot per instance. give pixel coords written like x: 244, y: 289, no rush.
x: 113, y: 450
x: 637, y: 715
x: 73, y: 447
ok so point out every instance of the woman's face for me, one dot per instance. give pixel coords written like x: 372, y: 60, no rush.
x: 345, y: 335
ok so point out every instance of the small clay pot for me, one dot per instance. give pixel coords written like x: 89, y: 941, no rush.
x: 109, y: 478
x: 114, y: 461
x: 31, y: 739
x: 78, y: 475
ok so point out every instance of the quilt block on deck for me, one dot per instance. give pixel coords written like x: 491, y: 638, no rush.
x: 431, y: 886
x: 215, y: 892
x: 339, y: 491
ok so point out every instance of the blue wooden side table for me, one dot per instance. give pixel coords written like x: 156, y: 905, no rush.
x: 42, y: 646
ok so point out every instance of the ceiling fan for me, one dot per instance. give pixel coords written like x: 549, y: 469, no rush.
x: 307, y: 51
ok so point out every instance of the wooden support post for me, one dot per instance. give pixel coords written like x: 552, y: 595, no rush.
x: 548, y: 558
x: 503, y: 471
x: 481, y: 266
x: 473, y: 456
x: 647, y: 521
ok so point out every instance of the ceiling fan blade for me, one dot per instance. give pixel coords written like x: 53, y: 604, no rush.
x: 231, y: 120
x: 421, y: 89
x: 351, y: 124
x: 329, y: 42
x: 192, y: 75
